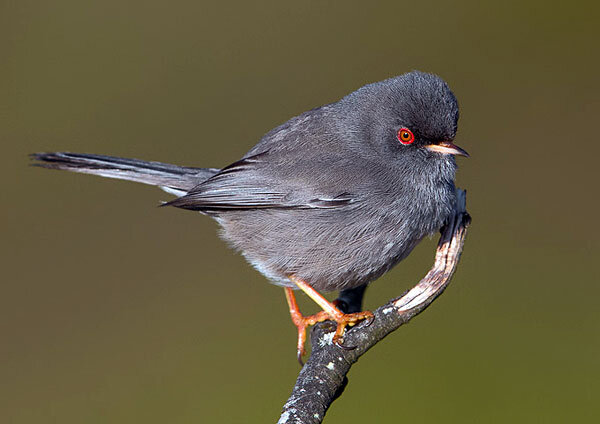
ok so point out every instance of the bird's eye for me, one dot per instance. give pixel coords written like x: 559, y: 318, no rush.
x: 405, y: 136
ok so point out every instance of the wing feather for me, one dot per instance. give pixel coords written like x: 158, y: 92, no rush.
x: 248, y: 184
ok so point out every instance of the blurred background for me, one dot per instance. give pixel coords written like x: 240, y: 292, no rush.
x: 114, y: 310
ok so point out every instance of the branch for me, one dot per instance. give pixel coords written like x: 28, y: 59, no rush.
x: 323, y: 378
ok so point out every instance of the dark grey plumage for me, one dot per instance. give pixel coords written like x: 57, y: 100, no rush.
x: 171, y: 178
x: 331, y: 195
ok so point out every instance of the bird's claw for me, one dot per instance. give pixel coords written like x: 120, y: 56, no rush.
x: 342, y: 320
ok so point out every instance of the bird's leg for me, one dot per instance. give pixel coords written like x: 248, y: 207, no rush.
x: 301, y: 322
x: 329, y: 312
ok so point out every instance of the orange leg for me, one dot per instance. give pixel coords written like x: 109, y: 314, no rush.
x: 301, y: 322
x: 329, y: 312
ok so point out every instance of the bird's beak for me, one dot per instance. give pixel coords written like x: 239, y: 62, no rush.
x: 447, y: 148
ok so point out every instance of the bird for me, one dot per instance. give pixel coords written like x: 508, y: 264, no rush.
x: 329, y: 200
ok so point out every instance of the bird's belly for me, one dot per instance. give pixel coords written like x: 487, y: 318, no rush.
x: 329, y: 249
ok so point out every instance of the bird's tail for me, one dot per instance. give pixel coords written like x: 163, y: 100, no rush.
x: 174, y: 179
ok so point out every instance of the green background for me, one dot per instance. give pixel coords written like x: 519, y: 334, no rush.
x: 113, y: 310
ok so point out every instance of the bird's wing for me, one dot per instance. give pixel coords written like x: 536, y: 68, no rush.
x: 257, y: 182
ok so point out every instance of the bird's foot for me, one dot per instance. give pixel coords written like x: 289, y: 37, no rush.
x: 332, y: 313
x: 348, y: 320
x: 302, y: 323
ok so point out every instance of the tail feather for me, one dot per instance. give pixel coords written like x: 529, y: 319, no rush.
x: 172, y: 178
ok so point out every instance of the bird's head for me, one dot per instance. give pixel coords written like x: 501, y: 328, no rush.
x: 413, y: 113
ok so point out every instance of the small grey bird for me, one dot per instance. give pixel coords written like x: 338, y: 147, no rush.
x: 331, y: 199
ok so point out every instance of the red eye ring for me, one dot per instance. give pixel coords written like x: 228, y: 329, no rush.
x: 405, y: 136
